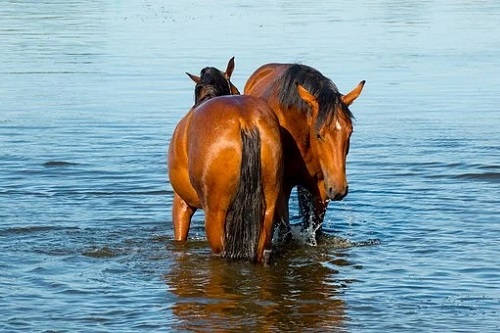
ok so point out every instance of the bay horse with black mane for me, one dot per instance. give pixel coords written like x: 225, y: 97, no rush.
x: 316, y: 126
x: 225, y: 158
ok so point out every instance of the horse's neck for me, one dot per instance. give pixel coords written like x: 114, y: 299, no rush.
x: 295, y: 122
x: 203, y: 98
x: 300, y: 160
x: 207, y: 93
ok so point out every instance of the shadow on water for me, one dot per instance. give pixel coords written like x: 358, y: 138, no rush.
x: 300, y: 290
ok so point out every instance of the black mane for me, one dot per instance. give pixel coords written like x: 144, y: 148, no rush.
x: 212, y: 83
x: 321, y: 87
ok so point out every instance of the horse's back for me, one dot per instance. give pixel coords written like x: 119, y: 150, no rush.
x: 263, y: 77
x: 227, y: 114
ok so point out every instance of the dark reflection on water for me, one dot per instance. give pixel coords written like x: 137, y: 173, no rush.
x: 298, y: 292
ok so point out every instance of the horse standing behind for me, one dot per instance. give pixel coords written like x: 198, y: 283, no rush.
x: 316, y: 126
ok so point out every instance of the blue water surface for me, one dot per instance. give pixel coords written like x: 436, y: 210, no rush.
x: 90, y: 93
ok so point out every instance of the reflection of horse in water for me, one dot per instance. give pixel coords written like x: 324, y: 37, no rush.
x: 294, y: 294
x: 316, y: 125
x: 225, y: 158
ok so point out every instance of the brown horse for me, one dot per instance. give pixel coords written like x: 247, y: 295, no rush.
x: 316, y: 130
x: 225, y: 158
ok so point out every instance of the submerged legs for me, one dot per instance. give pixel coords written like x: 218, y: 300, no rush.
x: 182, y: 214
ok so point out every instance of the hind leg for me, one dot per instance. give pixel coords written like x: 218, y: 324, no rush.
x: 214, y: 228
x: 275, y: 214
x: 266, y: 237
x: 181, y: 217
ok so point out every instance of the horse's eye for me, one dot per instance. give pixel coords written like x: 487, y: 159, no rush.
x: 319, y: 137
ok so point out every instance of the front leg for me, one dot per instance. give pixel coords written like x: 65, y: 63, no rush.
x: 181, y: 218
x: 312, y: 209
x: 282, y: 218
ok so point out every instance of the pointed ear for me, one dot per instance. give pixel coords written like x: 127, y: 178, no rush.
x: 229, y: 68
x: 193, y: 77
x: 348, y: 98
x: 306, y: 95
x: 234, y: 90
x: 310, y: 100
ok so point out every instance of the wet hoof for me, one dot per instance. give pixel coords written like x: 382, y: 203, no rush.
x: 266, y: 260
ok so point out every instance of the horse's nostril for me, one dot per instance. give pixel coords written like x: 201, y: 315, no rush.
x: 337, y: 196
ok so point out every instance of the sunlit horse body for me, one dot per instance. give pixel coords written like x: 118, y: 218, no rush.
x: 225, y: 158
x: 316, y: 125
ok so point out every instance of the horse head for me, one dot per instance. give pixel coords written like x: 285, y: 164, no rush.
x: 213, y: 82
x: 330, y: 124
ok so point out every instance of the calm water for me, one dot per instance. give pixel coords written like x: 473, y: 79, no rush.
x: 90, y: 92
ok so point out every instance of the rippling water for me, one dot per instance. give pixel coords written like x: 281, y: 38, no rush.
x: 90, y: 93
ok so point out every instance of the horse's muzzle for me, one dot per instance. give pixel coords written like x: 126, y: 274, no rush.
x: 335, y: 195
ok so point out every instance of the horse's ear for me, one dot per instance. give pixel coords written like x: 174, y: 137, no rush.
x: 229, y: 68
x: 348, y: 98
x: 306, y: 95
x: 310, y: 100
x: 193, y: 77
x: 234, y: 90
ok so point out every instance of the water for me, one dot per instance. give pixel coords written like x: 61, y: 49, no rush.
x: 90, y: 93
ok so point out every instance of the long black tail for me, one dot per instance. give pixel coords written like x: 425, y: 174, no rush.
x: 246, y: 211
